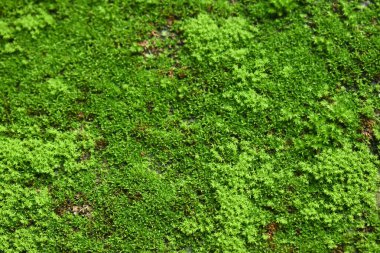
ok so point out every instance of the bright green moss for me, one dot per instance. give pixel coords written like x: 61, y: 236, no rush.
x: 211, y: 43
x: 189, y: 126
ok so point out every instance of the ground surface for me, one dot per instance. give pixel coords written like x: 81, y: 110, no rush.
x: 189, y: 126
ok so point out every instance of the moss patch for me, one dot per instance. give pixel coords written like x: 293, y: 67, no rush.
x: 189, y: 126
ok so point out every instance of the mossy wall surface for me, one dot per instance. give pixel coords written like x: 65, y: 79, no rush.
x: 189, y: 126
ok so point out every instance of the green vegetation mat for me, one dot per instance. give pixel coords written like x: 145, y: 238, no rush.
x: 189, y: 126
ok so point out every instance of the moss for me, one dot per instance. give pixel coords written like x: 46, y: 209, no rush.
x: 189, y: 126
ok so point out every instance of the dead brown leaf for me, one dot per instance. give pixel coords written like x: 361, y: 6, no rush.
x: 143, y: 44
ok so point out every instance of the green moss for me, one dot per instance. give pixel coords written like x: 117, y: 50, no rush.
x: 189, y: 126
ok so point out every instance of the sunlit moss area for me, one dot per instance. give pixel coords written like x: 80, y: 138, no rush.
x: 189, y: 126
